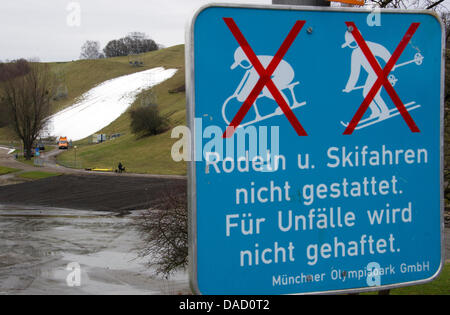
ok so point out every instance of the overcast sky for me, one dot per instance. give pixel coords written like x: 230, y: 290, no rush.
x: 54, y: 30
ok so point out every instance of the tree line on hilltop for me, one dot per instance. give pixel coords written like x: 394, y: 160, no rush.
x: 132, y: 44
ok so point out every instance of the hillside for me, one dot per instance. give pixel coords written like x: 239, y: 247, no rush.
x: 82, y: 75
x: 104, y: 103
x: 141, y: 155
x: 151, y: 154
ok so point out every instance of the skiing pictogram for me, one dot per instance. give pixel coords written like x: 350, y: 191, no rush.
x: 364, y: 56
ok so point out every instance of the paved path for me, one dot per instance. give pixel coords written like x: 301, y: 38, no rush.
x: 50, y: 165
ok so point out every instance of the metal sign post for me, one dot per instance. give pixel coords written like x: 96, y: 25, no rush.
x: 316, y: 149
x: 321, y: 3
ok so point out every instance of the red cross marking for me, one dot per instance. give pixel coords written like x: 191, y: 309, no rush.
x: 382, y: 78
x: 265, y: 77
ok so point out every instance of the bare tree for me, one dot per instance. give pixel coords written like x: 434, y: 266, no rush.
x: 132, y: 44
x: 409, y: 4
x: 91, y: 50
x: 26, y: 90
x: 115, y: 48
x: 3, y: 116
x: 446, y: 21
x: 164, y: 229
x: 138, y: 42
x: 147, y: 121
x: 438, y: 6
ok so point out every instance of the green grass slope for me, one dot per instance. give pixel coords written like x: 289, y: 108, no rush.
x: 141, y: 155
x: 7, y: 170
x: 82, y: 75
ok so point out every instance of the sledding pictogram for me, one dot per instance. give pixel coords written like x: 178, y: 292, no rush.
x: 283, y: 78
x: 263, y: 77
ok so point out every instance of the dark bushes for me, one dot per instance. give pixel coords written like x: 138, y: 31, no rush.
x: 146, y: 121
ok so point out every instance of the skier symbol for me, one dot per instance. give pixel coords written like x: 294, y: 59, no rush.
x: 379, y: 109
x: 282, y: 77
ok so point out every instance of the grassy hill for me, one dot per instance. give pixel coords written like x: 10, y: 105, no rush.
x: 82, y: 75
x: 151, y: 154
x: 140, y: 155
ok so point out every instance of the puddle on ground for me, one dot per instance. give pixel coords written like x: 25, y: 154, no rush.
x: 38, y: 245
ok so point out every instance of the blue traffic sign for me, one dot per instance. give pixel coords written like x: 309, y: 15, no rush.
x: 316, y: 149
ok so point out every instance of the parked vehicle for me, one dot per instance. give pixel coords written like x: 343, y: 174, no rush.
x: 63, y: 144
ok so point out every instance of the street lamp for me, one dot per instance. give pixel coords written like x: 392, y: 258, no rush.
x: 75, y: 150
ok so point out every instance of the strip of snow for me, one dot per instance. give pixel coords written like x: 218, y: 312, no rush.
x: 9, y: 149
x: 103, y: 104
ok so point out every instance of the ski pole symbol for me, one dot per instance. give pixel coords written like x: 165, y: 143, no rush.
x: 418, y: 59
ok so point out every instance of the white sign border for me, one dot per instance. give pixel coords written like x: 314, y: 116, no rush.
x: 190, y: 117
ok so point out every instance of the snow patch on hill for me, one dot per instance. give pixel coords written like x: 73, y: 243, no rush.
x: 103, y: 104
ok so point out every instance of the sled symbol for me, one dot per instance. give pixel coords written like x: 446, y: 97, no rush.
x: 264, y: 80
x: 259, y: 118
